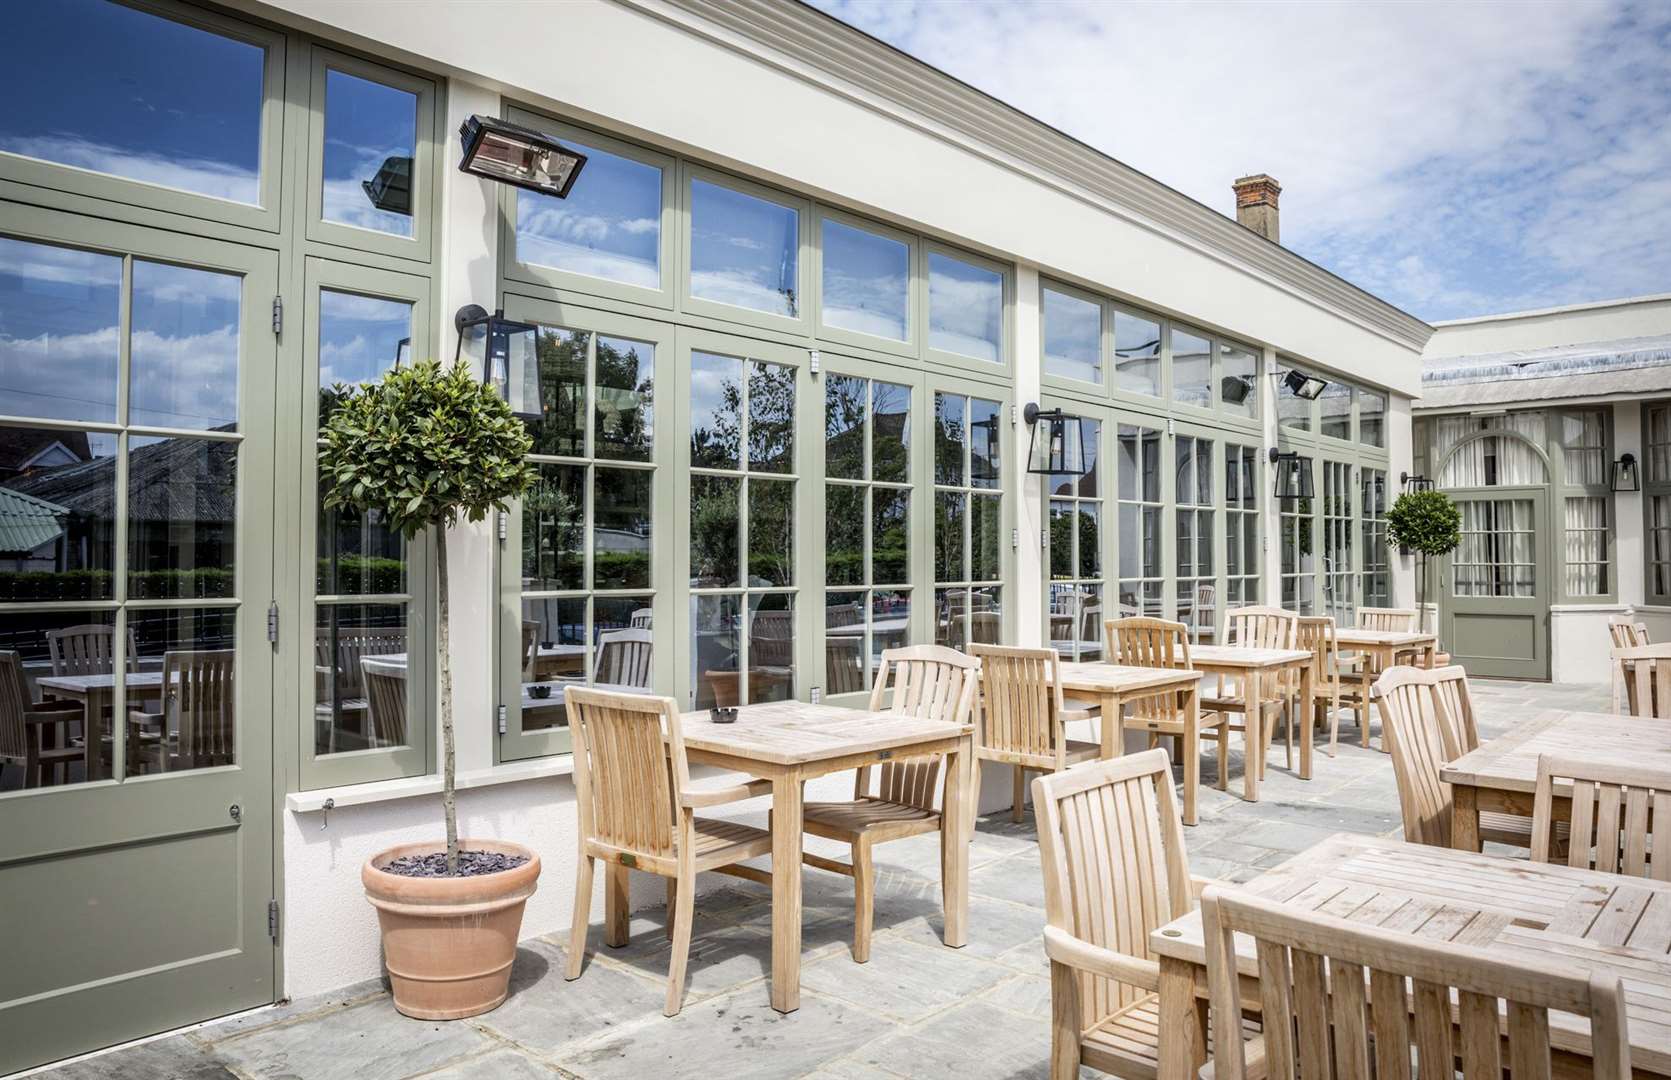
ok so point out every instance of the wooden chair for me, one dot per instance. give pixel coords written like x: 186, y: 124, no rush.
x: 1397, y: 620
x: 844, y: 664
x: 87, y: 650
x: 638, y: 812
x: 641, y: 618
x: 1423, y: 738
x: 1157, y: 643
x: 1111, y: 844
x: 22, y: 720
x: 1258, y: 627
x: 1627, y: 633
x: 624, y: 658
x: 1618, y: 814
x: 196, y: 724
x: 1325, y: 982
x: 385, y: 686
x: 1023, y: 721
x: 1646, y: 673
x: 1204, y: 616
x: 930, y: 683
x: 1315, y: 633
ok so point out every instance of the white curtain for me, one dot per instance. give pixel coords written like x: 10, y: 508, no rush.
x: 1497, y: 556
x: 1492, y: 461
x: 1586, y: 547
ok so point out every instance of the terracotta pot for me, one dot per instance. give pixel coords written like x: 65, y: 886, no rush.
x: 449, y: 942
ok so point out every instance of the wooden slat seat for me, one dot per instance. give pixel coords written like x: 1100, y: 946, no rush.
x: 721, y: 843
x: 1128, y: 1042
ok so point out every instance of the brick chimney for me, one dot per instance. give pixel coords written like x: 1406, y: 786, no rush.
x: 1256, y: 205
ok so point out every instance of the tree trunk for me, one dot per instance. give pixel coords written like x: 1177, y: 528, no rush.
x: 443, y: 644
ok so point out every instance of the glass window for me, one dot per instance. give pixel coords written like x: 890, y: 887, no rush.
x: 744, y: 251
x: 1586, y: 546
x: 1075, y: 559
x: 968, y: 521
x: 184, y: 347
x: 1238, y: 380
x: 1656, y: 496
x: 116, y: 90
x: 1192, y: 369
x: 1072, y: 336
x: 1136, y: 354
x: 1584, y: 446
x: 1376, y: 584
x: 1338, y: 572
x: 1334, y: 409
x: 1292, y: 410
x: 609, y: 227
x: 1508, y: 459
x: 1241, y: 526
x: 371, y: 142
x: 867, y: 281
x: 60, y: 311
x: 1141, y: 580
x: 965, y: 308
x: 1196, y: 535
x: 1498, y: 552
x: 1372, y: 418
x: 1299, y: 559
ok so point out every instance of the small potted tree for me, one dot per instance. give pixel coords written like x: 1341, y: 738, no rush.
x: 426, y: 447
x: 1428, y: 523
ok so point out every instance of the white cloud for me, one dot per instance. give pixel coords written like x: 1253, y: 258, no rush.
x: 1518, y: 153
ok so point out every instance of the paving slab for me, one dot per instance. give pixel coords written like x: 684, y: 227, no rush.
x: 902, y: 980
x: 177, y: 1057
x: 545, y: 1011
x: 370, y: 1041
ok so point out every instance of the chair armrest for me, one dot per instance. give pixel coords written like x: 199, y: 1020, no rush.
x: 1068, y: 716
x: 1199, y: 885
x: 697, y: 798
x: 1064, y: 948
x: 53, y: 712
x: 139, y: 718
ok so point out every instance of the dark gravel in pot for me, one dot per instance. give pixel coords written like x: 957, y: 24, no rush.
x: 470, y: 864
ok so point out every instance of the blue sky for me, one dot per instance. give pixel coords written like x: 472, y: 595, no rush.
x: 1455, y: 159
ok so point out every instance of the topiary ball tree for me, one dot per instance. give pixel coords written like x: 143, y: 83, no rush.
x: 426, y: 447
x: 1426, y: 522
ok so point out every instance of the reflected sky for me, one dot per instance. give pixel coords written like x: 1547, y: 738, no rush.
x: 1072, y: 337
x: 1192, y: 365
x: 866, y: 281
x: 358, y: 336
x: 609, y: 226
x: 59, y: 312
x: 366, y: 124
x: 1137, y: 353
x: 105, y: 87
x: 185, y: 347
x: 965, y: 308
x: 744, y: 251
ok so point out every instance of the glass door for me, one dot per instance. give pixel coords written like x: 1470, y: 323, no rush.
x: 1496, y: 585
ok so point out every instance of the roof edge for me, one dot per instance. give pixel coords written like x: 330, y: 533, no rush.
x: 1589, y: 305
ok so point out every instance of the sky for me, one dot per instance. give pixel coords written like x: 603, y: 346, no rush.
x: 1454, y: 159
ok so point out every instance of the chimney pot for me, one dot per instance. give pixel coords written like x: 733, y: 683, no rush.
x: 1256, y: 204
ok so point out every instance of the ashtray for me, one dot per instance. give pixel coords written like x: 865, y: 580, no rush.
x: 722, y: 716
x: 538, y: 691
x: 548, y: 644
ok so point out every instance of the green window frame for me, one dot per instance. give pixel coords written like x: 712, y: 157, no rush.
x: 1656, y: 500
x: 1339, y: 568
x: 1076, y: 543
x: 1584, y: 502
x: 916, y: 290
x: 1196, y: 464
x: 1374, y: 581
x: 1297, y: 541
x: 971, y: 556
x: 1243, y: 526
x: 690, y: 304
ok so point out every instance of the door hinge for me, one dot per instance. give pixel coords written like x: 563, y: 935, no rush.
x: 503, y: 720
x: 273, y: 920
x: 278, y: 315
x: 272, y: 622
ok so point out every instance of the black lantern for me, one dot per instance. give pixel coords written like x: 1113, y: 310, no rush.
x: 513, y: 154
x: 1233, y: 389
x: 1058, y: 451
x: 1626, y: 476
x: 1303, y: 386
x: 1415, y: 483
x: 507, y: 350
x: 391, y: 188
x: 1293, y: 475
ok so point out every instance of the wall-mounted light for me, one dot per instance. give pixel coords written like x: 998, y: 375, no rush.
x: 1058, y: 450
x: 391, y: 188
x: 1626, y: 476
x: 513, y: 154
x: 507, y: 351
x: 1303, y: 386
x: 1233, y: 389
x: 1415, y: 483
x: 1293, y: 475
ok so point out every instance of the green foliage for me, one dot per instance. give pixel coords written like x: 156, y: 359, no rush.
x: 1425, y: 521
x: 426, y: 446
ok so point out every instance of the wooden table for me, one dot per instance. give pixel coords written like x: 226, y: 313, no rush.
x: 1257, y: 668
x: 1502, y: 774
x: 1112, y: 686
x: 1531, y: 912
x: 1381, y: 650
x: 791, y: 742
x: 95, y: 693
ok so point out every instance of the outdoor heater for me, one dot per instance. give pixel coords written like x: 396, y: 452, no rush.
x: 513, y: 154
x: 1626, y: 476
x: 507, y: 350
x: 1059, y: 452
x: 1293, y: 475
x: 1303, y: 386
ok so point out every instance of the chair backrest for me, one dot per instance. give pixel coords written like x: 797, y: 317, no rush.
x: 1261, y: 627
x: 1021, y: 691
x: 641, y: 618
x: 985, y: 626
x: 14, y: 702
x: 1140, y: 641
x: 629, y: 768
x: 771, y: 640
x: 1627, y: 633
x: 1205, y: 615
x: 200, y: 694
x: 354, y: 644
x: 385, y: 687
x: 86, y: 650
x: 1399, y: 620
x: 1111, y: 844
x: 844, y: 664
x: 1647, y: 675
x: 843, y: 615
x: 624, y: 658
x: 1456, y: 706
x: 1421, y: 743
x: 1618, y: 814
x: 928, y: 682
x: 1315, y: 634
x: 1327, y: 984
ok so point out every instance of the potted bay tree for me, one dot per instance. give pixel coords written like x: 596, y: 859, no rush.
x: 1429, y: 524
x: 427, y: 447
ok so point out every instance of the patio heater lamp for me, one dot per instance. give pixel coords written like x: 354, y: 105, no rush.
x: 1626, y: 476
x: 1233, y: 389
x: 513, y: 154
x: 1415, y: 483
x: 1303, y: 386
x: 1059, y: 452
x: 1293, y: 479
x: 507, y: 351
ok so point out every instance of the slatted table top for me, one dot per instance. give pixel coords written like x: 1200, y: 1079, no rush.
x: 1359, y: 638
x: 796, y: 733
x: 1237, y: 656
x: 1539, y: 912
x: 1088, y: 676
x: 80, y: 684
x: 1510, y: 763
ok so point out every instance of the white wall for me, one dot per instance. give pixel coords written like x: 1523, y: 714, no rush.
x: 1610, y: 320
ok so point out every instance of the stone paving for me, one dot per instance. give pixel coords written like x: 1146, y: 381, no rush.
x: 917, y: 1009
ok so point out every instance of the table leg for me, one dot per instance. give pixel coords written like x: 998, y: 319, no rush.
x: 1111, y: 714
x: 954, y: 844
x: 1307, y: 720
x: 1192, y: 755
x: 786, y: 892
x: 1253, y: 702
x: 1465, y: 818
x: 92, y: 735
x: 1365, y: 673
x: 1183, y: 1047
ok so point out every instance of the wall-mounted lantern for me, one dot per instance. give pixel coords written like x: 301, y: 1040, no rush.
x: 1415, y: 483
x: 513, y: 154
x: 1233, y: 389
x: 1303, y: 386
x: 1293, y: 475
x: 1626, y: 476
x: 391, y: 188
x: 507, y: 351
x: 1055, y: 448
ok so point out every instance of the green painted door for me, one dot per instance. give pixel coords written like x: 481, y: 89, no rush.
x: 1495, y: 586
x: 135, y: 873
